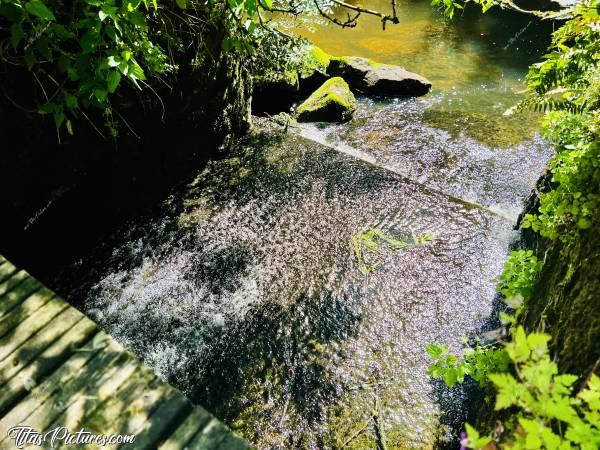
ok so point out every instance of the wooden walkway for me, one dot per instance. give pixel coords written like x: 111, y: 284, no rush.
x: 57, y: 369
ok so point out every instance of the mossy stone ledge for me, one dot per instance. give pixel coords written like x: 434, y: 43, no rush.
x: 332, y: 102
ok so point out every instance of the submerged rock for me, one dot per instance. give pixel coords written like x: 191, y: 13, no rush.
x: 371, y: 78
x: 332, y: 102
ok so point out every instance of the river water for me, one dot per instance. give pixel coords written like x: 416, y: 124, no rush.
x: 243, y: 289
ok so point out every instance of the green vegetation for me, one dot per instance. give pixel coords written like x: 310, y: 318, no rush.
x: 476, y: 362
x: 77, y: 58
x: 518, y: 278
x: 333, y: 101
x: 547, y: 410
x: 79, y: 55
x: 567, y: 86
x: 367, y: 246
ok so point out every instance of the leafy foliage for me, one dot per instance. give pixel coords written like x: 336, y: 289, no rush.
x: 550, y: 413
x: 574, y: 202
x: 79, y: 55
x: 518, y: 278
x: 475, y: 362
x: 567, y: 86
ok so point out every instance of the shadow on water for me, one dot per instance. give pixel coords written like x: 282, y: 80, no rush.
x: 284, y: 346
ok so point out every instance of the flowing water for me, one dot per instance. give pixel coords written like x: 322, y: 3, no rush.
x: 243, y: 288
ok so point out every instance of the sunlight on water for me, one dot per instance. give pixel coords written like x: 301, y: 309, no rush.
x: 242, y: 288
x: 243, y: 291
x: 397, y: 136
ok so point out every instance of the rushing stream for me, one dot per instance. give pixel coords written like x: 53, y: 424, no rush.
x: 243, y: 290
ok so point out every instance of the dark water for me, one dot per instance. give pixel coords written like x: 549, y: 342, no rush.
x: 242, y: 287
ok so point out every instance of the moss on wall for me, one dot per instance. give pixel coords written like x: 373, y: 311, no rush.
x: 566, y: 300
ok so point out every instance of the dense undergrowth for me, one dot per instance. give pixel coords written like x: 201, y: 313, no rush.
x: 80, y: 55
x: 542, y: 408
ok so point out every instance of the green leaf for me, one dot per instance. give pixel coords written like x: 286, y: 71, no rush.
x: 182, y: 3
x: 38, y: 9
x: 450, y: 377
x: 136, y: 72
x: 137, y: 18
x: 584, y: 223
x: 268, y: 4
x: 70, y: 101
x: 16, y: 34
x: 507, y: 389
x: 59, y: 118
x: 436, y: 351
x: 101, y: 95
x: 112, y: 81
x: 29, y: 57
x: 61, y: 32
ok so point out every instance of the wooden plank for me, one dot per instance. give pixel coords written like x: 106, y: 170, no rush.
x: 6, y: 270
x: 20, y: 373
x: 210, y: 437
x: 113, y: 415
x: 13, y: 281
x: 96, y: 373
x: 69, y: 371
x: 166, y: 416
x: 57, y: 370
x: 93, y: 394
x: 233, y: 442
x: 20, y: 312
x: 17, y: 295
x: 194, y: 423
x: 30, y: 326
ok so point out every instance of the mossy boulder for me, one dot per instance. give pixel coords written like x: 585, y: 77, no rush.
x: 370, y: 78
x: 332, y: 102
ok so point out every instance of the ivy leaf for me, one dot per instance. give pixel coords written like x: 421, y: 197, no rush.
x: 38, y: 9
x: 450, y: 377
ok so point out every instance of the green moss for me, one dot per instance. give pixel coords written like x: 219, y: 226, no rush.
x: 288, y: 78
x: 320, y: 58
x: 316, y: 60
x: 332, y: 101
x: 347, y: 59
